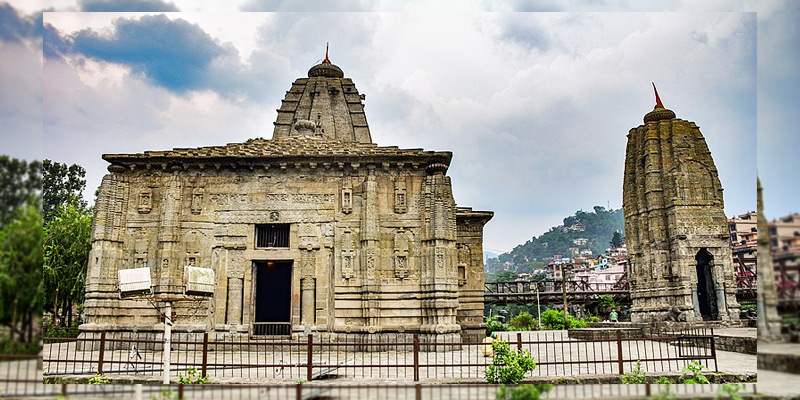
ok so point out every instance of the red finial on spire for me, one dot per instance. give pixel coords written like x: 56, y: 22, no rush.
x: 327, y: 61
x: 658, y: 99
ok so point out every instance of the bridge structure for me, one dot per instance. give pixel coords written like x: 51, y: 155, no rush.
x: 551, y: 291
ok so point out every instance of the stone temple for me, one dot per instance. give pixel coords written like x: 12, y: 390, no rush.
x: 676, y: 230
x: 317, y: 230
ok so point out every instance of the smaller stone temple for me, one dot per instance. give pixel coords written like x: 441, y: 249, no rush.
x: 676, y: 230
x: 769, y: 322
x: 318, y: 230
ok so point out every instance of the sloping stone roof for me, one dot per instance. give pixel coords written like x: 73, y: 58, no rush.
x: 294, y: 147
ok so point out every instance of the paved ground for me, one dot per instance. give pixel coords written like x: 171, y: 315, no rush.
x: 740, y: 332
x: 778, y: 383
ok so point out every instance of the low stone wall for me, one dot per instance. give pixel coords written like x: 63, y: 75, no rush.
x: 738, y: 344
x: 604, y: 333
x: 781, y: 362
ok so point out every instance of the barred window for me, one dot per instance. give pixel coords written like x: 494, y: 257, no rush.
x: 272, y: 235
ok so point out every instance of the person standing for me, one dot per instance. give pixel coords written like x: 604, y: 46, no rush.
x: 613, y: 316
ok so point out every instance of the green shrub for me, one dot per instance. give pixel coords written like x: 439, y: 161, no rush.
x: 524, y: 322
x: 594, y: 318
x: 636, y: 375
x: 523, y: 392
x: 554, y: 320
x: 493, y: 324
x: 166, y: 394
x: 192, y: 377
x: 52, y: 330
x: 576, y: 323
x: 98, y: 379
x: 606, y: 301
x: 729, y: 391
x: 693, y: 373
x: 665, y: 394
x: 663, y: 380
x: 508, y: 366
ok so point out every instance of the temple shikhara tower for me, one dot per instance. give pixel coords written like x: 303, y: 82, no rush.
x: 318, y: 230
x: 676, y: 230
x: 769, y: 322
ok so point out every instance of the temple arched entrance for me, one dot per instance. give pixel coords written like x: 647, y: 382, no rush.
x: 706, y: 291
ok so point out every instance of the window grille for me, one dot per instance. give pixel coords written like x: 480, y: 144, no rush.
x: 272, y: 235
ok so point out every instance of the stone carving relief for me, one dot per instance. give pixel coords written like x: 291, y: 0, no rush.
x: 145, y: 202
x: 348, y: 254
x: 371, y: 262
x: 439, y: 259
x: 347, y: 200
x: 193, y: 240
x: 197, y: 200
x: 463, y: 263
x: 400, y: 201
x: 140, y: 251
x: 401, y: 254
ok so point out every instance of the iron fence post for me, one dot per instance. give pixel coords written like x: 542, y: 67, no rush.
x: 647, y: 389
x: 299, y: 391
x: 418, y: 391
x: 310, y: 359
x: 102, y: 352
x: 205, y: 354
x: 619, y: 352
x: 519, y: 341
x: 416, y: 358
x: 180, y: 391
x: 714, y: 350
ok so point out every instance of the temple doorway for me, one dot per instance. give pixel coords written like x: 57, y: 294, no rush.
x: 273, y: 298
x: 706, y: 292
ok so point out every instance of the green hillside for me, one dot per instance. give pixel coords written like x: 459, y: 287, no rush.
x: 596, y: 227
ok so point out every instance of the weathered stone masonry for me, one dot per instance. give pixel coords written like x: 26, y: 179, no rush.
x: 676, y: 230
x: 375, y: 241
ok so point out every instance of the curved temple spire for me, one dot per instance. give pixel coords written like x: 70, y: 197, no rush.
x: 658, y: 99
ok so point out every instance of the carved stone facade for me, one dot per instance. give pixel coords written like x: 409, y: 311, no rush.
x: 676, y: 230
x: 370, y: 236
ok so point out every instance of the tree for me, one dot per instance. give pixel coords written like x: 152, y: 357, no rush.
x: 61, y: 184
x: 20, y: 184
x: 617, y: 240
x: 67, y: 242
x: 21, y: 273
x: 504, y: 276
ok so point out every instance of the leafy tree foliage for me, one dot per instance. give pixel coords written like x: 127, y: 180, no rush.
x: 20, y: 184
x: 61, y: 184
x: 616, y: 240
x: 67, y: 242
x: 21, y: 274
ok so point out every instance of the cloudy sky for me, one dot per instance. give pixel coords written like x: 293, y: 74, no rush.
x: 534, y: 105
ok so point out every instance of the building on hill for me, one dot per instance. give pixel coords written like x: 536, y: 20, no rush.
x: 744, y: 243
x: 743, y: 228
x: 675, y: 228
x: 784, y: 233
x: 318, y: 230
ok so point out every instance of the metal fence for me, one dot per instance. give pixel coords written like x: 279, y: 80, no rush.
x: 383, y: 357
x: 355, y: 391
